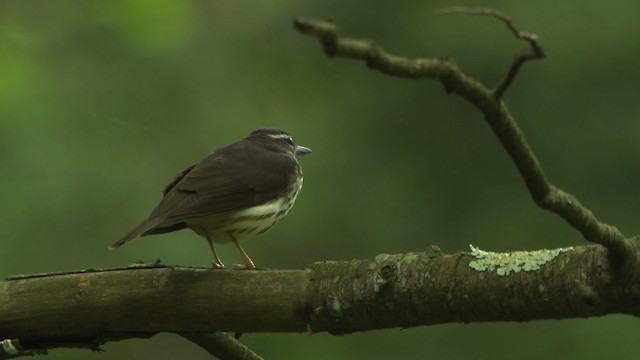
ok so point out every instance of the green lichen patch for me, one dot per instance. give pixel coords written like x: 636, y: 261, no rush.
x: 409, y: 258
x: 505, y: 263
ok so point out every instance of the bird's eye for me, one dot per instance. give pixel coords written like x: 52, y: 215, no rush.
x: 289, y: 140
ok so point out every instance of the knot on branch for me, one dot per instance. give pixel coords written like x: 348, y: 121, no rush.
x: 385, y: 271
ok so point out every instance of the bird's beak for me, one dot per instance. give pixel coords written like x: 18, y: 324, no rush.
x: 301, y: 150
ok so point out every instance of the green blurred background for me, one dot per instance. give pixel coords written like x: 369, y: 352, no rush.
x: 103, y: 102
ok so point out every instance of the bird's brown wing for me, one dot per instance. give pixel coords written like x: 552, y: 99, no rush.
x: 219, y: 184
x: 177, y: 179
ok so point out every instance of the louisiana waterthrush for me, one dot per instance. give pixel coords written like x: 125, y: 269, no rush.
x: 237, y: 192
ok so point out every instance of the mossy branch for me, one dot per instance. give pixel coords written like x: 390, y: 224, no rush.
x: 545, y: 194
x: 86, y: 309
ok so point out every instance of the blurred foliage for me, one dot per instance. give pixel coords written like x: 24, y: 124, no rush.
x: 103, y: 102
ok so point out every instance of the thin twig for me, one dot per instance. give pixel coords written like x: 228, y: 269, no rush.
x: 222, y: 346
x: 536, y: 52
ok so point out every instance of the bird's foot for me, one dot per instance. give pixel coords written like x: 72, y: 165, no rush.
x: 247, y: 266
x: 217, y: 264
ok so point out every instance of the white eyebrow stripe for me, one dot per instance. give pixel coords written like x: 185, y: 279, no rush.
x: 279, y: 136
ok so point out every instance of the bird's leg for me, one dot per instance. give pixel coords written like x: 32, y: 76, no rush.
x: 202, y: 231
x: 218, y: 264
x: 248, y: 263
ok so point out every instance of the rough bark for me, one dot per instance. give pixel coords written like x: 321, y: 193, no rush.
x: 88, y: 308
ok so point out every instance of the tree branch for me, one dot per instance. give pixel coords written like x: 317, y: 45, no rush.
x: 545, y: 195
x: 222, y: 346
x: 86, y: 309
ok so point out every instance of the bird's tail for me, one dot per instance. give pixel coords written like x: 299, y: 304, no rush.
x: 142, y: 228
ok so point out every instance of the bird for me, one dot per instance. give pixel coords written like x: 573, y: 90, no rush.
x: 237, y: 192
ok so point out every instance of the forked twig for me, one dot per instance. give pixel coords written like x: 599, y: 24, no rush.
x: 536, y: 51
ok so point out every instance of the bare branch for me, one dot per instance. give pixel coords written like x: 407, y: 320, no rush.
x: 545, y: 194
x: 11, y: 349
x: 536, y: 49
x: 222, y: 346
x: 87, y: 309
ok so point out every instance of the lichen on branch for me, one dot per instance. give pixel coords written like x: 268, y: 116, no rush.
x: 504, y: 264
